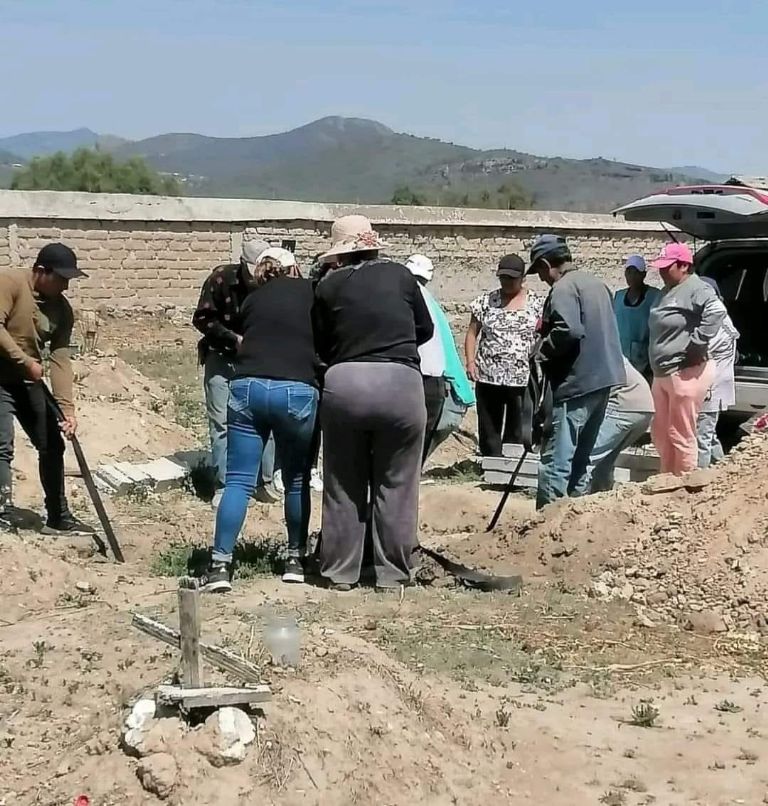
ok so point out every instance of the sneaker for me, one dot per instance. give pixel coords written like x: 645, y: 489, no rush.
x: 264, y: 495
x: 217, y: 578
x: 316, y: 481
x: 277, y: 482
x: 67, y: 526
x: 294, y: 570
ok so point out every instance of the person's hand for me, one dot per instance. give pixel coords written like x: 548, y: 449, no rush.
x: 35, y: 371
x: 472, y: 371
x: 68, y: 426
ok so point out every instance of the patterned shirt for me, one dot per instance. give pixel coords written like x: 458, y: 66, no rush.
x: 218, y: 315
x: 505, y: 338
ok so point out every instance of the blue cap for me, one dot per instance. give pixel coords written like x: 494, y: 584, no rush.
x: 636, y: 262
x: 545, y: 245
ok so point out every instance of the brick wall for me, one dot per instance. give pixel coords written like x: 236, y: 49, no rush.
x: 148, y: 253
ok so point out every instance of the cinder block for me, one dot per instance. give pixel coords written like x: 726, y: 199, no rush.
x: 165, y: 474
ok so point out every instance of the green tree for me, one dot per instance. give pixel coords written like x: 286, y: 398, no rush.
x: 404, y: 195
x: 93, y: 171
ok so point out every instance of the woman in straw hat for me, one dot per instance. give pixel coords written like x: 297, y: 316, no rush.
x: 370, y: 319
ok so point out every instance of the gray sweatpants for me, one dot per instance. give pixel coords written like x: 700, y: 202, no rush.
x: 373, y: 419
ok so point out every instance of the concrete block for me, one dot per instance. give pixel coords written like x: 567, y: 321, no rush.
x: 165, y: 474
x: 113, y: 480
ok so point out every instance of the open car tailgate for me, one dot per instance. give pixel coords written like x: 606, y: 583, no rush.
x: 708, y: 212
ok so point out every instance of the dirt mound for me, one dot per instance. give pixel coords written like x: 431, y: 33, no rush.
x: 697, y: 553
x: 122, y: 415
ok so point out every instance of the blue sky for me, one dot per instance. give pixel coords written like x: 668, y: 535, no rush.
x: 661, y: 83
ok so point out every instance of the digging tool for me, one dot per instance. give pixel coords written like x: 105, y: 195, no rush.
x: 89, y: 482
x: 507, y: 490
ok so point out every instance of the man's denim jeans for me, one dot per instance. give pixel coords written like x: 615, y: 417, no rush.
x: 218, y: 374
x: 620, y: 430
x: 257, y: 408
x: 564, y: 460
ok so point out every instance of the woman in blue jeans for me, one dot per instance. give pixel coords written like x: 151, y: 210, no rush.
x: 274, y: 391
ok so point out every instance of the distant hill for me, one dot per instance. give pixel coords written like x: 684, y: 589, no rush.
x: 703, y: 173
x: 357, y: 160
x: 38, y: 144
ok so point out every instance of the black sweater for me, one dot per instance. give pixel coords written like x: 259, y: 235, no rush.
x: 370, y: 312
x: 277, y: 332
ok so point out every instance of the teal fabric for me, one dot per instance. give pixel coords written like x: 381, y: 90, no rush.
x: 633, y: 323
x: 454, y: 369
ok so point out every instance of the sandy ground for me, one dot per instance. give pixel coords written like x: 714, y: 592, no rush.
x: 446, y: 696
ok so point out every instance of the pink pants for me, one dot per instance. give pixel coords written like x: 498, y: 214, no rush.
x: 678, y: 399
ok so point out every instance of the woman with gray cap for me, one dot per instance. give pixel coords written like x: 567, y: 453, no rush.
x: 370, y: 319
x: 632, y: 306
x: 497, y: 347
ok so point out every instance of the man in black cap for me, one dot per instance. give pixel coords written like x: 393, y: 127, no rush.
x: 35, y: 313
x: 218, y: 318
x: 581, y: 356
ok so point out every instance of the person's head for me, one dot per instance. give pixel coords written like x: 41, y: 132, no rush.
x: 251, y: 253
x: 55, y: 266
x: 421, y: 267
x: 550, y: 258
x: 635, y: 271
x: 353, y: 240
x: 674, y: 264
x: 274, y: 262
x: 511, y: 274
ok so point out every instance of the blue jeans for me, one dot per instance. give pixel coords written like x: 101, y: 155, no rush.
x: 564, y: 459
x: 710, y: 450
x: 218, y: 373
x: 257, y: 408
x: 620, y: 430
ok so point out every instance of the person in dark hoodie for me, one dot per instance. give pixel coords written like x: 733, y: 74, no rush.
x: 580, y: 352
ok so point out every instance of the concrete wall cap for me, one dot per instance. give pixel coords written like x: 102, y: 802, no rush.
x: 17, y: 205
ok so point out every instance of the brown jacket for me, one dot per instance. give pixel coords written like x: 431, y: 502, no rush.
x: 26, y: 325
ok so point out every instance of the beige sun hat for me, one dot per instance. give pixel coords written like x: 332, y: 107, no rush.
x: 352, y: 233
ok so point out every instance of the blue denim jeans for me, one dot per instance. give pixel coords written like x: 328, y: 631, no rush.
x: 620, y: 430
x: 257, y: 408
x: 710, y: 450
x: 564, y: 459
x: 218, y: 373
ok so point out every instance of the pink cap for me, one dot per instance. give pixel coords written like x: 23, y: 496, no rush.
x: 673, y: 253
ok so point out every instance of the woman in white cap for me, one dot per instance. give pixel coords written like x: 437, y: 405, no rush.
x: 370, y: 319
x: 632, y: 306
x: 274, y: 391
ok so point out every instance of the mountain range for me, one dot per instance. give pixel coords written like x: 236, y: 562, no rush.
x: 356, y: 160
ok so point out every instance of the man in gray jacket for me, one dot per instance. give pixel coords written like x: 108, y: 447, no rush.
x: 581, y: 357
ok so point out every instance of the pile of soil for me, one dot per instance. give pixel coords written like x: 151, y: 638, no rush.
x: 695, y: 550
x: 122, y: 415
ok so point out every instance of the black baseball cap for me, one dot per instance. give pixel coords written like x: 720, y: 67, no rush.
x: 58, y: 258
x: 511, y: 266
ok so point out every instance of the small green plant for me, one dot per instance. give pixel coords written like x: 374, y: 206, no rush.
x: 41, y: 647
x: 633, y: 785
x: 613, y: 798
x: 644, y: 715
x: 728, y: 707
x: 503, y: 717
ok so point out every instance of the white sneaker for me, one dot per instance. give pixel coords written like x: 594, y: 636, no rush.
x: 316, y: 480
x: 277, y: 482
